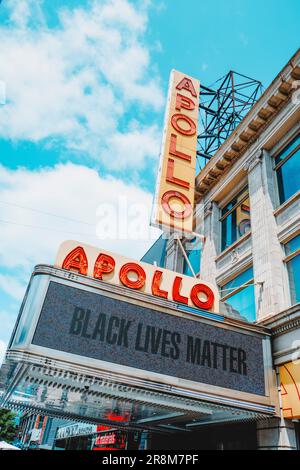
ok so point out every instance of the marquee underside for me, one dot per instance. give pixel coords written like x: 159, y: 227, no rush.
x: 63, y: 392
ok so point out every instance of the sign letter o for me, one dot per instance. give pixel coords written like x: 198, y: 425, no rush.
x: 181, y: 117
x: 207, y: 304
x: 168, y: 209
x: 138, y: 270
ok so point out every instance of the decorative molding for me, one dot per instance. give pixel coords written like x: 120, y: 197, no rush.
x: 208, y: 209
x: 234, y: 246
x: 289, y: 231
x: 287, y: 203
x: 283, y: 322
x: 232, y: 271
x: 290, y: 325
x: 255, y: 160
x: 235, y: 255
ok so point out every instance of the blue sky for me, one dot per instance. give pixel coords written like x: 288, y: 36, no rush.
x: 80, y: 130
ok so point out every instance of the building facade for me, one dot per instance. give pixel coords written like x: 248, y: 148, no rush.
x: 38, y: 431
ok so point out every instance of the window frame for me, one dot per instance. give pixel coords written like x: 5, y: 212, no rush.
x: 277, y: 166
x: 184, y: 243
x: 230, y: 211
x: 240, y: 288
x: 287, y: 259
x: 288, y: 156
x: 236, y: 289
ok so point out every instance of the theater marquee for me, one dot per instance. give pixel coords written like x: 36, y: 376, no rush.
x: 174, y: 198
x: 80, y: 344
x: 116, y: 331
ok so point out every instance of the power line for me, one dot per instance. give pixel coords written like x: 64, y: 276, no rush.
x: 47, y: 228
x: 47, y: 213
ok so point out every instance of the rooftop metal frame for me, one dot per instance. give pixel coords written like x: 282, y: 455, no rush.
x: 222, y: 109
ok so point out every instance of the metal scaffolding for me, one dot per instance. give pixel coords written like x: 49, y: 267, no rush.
x: 222, y: 109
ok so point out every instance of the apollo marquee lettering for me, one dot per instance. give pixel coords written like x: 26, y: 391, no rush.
x: 115, y: 269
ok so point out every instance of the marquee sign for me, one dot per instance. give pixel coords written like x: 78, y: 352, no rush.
x: 93, y: 324
x: 174, y: 198
x: 74, y: 327
x: 158, y: 282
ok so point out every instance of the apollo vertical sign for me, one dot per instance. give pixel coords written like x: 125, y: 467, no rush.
x: 174, y: 199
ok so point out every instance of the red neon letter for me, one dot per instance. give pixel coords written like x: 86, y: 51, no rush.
x: 184, y: 102
x: 181, y: 117
x: 176, y: 291
x: 175, y: 152
x: 104, y: 264
x: 76, y: 260
x: 168, y: 209
x: 155, y: 285
x: 207, y: 304
x: 187, y: 84
x: 139, y: 283
x: 172, y: 179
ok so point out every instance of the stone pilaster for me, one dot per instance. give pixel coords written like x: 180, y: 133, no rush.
x: 210, y: 247
x: 271, y: 295
x: 276, y: 434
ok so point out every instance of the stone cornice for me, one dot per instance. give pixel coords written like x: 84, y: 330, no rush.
x: 284, y: 321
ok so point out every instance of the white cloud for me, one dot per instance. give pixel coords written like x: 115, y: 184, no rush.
x: 71, y: 192
x: 74, y: 83
x: 136, y: 145
x: 12, y: 286
x: 3, y: 347
x: 104, y: 212
x: 8, y: 318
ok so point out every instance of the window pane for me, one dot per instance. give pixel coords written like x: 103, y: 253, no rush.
x: 243, y: 218
x: 292, y: 245
x: 236, y: 199
x: 288, y: 177
x: 294, y: 278
x: 243, y: 301
x: 288, y: 149
x: 156, y: 253
x: 237, y: 281
x: 237, y: 223
x: 229, y: 230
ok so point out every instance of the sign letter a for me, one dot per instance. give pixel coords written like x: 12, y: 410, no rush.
x: 187, y: 84
x: 76, y: 260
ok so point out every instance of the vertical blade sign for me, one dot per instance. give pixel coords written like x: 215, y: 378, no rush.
x: 174, y: 198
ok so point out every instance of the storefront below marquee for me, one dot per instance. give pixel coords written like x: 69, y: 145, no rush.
x: 241, y: 436
x: 100, y: 438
